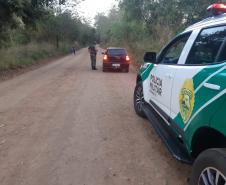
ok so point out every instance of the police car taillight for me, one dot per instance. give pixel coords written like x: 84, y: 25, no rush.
x: 217, y: 8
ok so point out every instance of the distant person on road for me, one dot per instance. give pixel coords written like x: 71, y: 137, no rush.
x: 93, y: 53
x: 73, y: 50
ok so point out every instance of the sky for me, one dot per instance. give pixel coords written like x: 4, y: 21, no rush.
x: 89, y: 8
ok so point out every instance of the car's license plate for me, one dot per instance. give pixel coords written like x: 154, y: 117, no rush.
x: 116, y: 65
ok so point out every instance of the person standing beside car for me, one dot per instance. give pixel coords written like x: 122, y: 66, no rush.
x: 93, y: 53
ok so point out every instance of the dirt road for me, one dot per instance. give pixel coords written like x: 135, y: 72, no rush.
x: 64, y: 124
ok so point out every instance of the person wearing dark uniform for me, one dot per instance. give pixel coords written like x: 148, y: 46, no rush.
x: 93, y: 53
x: 73, y: 50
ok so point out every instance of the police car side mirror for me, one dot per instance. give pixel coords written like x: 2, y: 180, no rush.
x: 150, y: 57
x: 103, y: 53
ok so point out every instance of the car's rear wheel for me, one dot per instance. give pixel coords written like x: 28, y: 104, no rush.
x: 126, y: 70
x: 138, y: 100
x: 210, y: 168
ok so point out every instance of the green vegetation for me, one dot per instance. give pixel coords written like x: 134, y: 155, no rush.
x: 146, y: 25
x: 31, y: 30
x: 25, y: 55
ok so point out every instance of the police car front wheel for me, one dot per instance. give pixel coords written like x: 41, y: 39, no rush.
x: 139, y: 100
x: 209, y: 168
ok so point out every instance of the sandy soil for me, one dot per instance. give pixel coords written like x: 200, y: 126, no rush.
x: 64, y: 124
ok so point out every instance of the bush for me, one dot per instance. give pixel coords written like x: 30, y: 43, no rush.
x: 25, y: 55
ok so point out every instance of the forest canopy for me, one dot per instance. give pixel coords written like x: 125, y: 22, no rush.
x: 142, y: 25
x: 23, y: 21
x: 34, y: 29
x: 31, y: 30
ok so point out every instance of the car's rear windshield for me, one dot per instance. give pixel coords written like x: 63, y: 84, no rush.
x: 113, y: 52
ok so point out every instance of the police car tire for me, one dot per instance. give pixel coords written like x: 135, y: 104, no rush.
x: 137, y: 110
x: 209, y: 159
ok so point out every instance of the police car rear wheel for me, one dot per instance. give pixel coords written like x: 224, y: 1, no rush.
x: 209, y: 168
x: 139, y: 100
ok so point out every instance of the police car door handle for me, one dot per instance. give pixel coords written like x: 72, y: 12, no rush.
x: 212, y: 86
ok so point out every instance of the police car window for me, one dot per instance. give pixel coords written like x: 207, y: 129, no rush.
x: 207, y: 46
x: 222, y: 56
x: 172, y: 52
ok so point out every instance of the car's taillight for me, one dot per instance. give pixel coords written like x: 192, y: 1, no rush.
x: 105, y: 57
x: 127, y: 58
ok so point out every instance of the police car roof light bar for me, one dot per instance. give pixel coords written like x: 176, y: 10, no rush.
x: 217, y: 9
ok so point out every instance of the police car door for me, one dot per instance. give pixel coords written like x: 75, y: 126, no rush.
x: 196, y: 81
x: 163, y: 73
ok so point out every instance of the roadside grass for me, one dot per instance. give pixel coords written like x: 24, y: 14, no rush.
x: 25, y: 55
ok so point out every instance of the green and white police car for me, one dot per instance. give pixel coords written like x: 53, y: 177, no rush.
x: 182, y: 91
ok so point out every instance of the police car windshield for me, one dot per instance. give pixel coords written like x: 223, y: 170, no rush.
x: 113, y: 52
